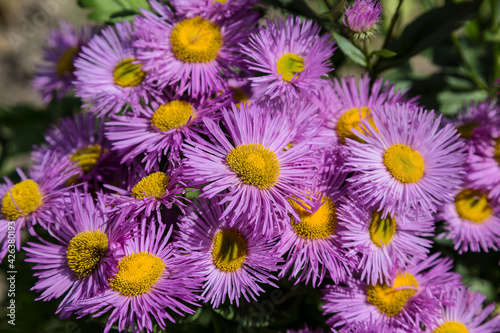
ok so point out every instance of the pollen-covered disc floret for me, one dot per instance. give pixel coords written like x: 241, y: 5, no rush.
x: 404, y: 163
x: 289, y: 65
x: 229, y: 250
x: 255, y: 164
x: 351, y: 119
x: 128, y: 74
x: 473, y: 205
x: 320, y: 223
x: 390, y: 299
x: 137, y: 274
x: 196, y: 40
x: 87, y: 157
x: 382, y: 230
x: 85, y: 250
x: 172, y: 115
x: 153, y: 185
x: 22, y: 199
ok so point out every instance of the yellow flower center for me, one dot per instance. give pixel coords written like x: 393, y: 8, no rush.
x: 65, y: 64
x: 404, y: 163
x: 87, y: 157
x: 451, y: 327
x: 351, y: 119
x: 382, y: 230
x: 473, y: 205
x: 22, y: 199
x: 219, y: 1
x: 154, y: 185
x: 467, y: 130
x: 127, y: 74
x: 229, y: 250
x: 254, y: 164
x: 288, y: 65
x: 196, y: 40
x: 387, y: 299
x: 137, y: 273
x: 172, y: 115
x: 85, y: 250
x: 318, y: 224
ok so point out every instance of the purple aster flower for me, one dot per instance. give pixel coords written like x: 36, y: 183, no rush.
x: 311, y: 244
x: 145, y: 193
x: 478, y: 124
x: 291, y: 55
x: 250, y: 168
x: 87, y: 239
x: 369, y: 326
x: 472, y: 221
x: 412, y: 298
x: 150, y: 281
x: 196, y: 53
x: 54, y: 76
x: 483, y: 169
x: 159, y: 130
x: 383, y: 243
x: 81, y: 139
x: 231, y: 261
x: 355, y: 101
x: 33, y: 200
x: 405, y: 160
x: 465, y: 314
x: 362, y: 18
x: 108, y: 74
x: 217, y: 9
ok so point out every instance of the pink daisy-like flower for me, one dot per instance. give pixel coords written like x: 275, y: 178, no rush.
x: 196, y: 53
x: 350, y: 102
x: 145, y: 193
x: 231, y: 261
x: 81, y: 139
x: 108, y: 74
x: 404, y: 160
x: 362, y: 18
x: 483, y: 169
x: 54, y: 76
x: 383, y: 243
x: 465, y: 314
x: 413, y: 297
x: 87, y: 238
x: 33, y: 200
x: 311, y: 244
x: 291, y: 55
x: 151, y: 281
x: 217, y: 9
x: 478, y: 124
x: 159, y: 130
x: 472, y: 221
x: 250, y: 167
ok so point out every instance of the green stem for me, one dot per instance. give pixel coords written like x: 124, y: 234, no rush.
x: 394, y: 19
x: 368, y: 58
x: 474, y: 76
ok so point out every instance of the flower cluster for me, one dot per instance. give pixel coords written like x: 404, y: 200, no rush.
x: 217, y: 158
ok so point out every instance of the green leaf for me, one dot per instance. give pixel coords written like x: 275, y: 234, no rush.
x: 113, y: 10
x: 385, y: 53
x: 350, y: 50
x: 428, y: 30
